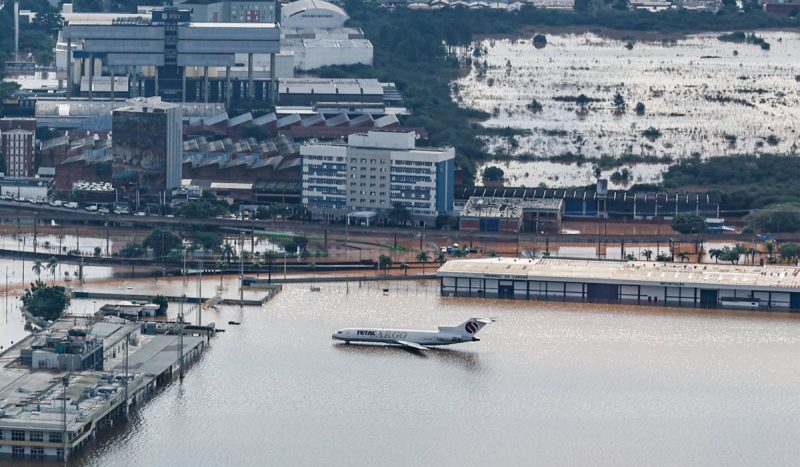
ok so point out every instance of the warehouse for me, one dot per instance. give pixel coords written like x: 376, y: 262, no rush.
x: 640, y: 282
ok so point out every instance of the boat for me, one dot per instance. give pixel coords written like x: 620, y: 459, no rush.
x: 745, y: 303
x: 234, y: 323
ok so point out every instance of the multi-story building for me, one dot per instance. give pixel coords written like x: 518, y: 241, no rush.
x: 376, y: 171
x: 18, y: 137
x: 147, y: 150
x: 165, y: 54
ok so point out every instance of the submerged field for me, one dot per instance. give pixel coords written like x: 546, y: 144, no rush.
x: 701, y: 96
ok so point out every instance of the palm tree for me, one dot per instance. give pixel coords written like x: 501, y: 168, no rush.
x: 52, y: 265
x: 715, y: 253
x: 423, y: 258
x: 769, y: 245
x: 647, y: 254
x: 684, y: 256
x: 441, y: 258
x: 37, y: 269
x: 630, y: 257
x: 404, y: 267
x: 493, y: 253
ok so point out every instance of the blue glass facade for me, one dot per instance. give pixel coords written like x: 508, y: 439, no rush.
x: 445, y: 181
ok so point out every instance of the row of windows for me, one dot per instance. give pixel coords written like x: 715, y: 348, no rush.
x: 324, y: 158
x: 417, y: 163
x: 354, y: 160
x: 36, y: 436
x: 402, y: 170
x: 364, y: 169
x: 364, y: 201
x: 324, y: 181
x: 371, y: 177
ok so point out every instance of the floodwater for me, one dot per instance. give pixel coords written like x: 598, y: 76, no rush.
x: 704, y: 96
x: 548, y: 384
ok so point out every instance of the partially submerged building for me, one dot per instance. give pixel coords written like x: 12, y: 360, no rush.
x: 640, y: 282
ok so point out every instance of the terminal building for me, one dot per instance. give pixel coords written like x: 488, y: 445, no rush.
x: 374, y: 172
x: 775, y: 288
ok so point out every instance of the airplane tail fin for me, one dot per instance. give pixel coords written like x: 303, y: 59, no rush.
x: 469, y: 327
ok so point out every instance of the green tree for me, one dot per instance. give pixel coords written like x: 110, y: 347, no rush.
x: 162, y: 241
x: 684, y: 256
x: 769, y: 245
x: 132, y: 250
x: 162, y: 303
x: 790, y: 252
x: 647, y: 254
x: 98, y: 251
x: 781, y: 217
x: 37, y: 269
x: 715, y: 253
x: 399, y: 215
x: 404, y: 268
x: 385, y: 262
x: 423, y: 258
x: 493, y: 174
x: 688, y: 223
x: 441, y: 258
x: 46, y: 302
x: 640, y: 108
x: 52, y: 265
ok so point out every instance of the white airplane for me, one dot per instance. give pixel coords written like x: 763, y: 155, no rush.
x: 464, y: 332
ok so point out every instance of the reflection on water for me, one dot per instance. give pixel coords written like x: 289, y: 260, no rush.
x: 548, y: 384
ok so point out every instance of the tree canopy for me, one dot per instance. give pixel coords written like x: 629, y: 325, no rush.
x: 162, y: 242
x: 46, y: 302
x: 688, y: 223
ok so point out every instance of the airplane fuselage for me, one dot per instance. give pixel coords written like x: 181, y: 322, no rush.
x: 392, y: 336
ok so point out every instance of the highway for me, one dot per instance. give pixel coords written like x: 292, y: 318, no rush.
x: 23, y: 210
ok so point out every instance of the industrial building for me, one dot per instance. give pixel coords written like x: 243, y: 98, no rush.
x: 29, y: 188
x: 149, y: 165
x: 339, y: 95
x: 486, y: 214
x: 589, y: 203
x: 17, y: 142
x: 375, y: 171
x: 639, y: 282
x: 166, y: 54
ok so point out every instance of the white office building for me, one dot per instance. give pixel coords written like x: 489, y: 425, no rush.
x: 375, y: 171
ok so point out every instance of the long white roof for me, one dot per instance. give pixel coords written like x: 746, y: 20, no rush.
x: 628, y: 272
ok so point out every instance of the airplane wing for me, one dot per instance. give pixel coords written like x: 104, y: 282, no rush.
x: 413, y: 345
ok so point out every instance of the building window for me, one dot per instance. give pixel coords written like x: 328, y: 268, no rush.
x: 17, y: 451
x: 56, y: 437
x: 37, y: 436
x: 37, y: 453
x: 59, y: 454
x: 17, y: 435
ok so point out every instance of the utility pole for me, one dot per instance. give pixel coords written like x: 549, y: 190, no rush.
x: 65, y: 382
x: 199, y: 294
x: 180, y: 339
x: 6, y: 305
x: 127, y: 340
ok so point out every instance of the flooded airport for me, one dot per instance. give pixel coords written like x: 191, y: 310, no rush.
x: 549, y: 383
